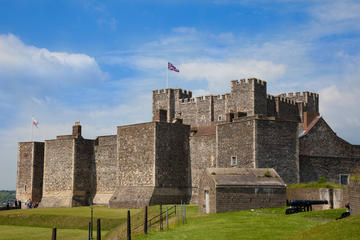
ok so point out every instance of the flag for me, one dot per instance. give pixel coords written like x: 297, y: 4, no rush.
x: 172, y: 67
x: 35, y: 123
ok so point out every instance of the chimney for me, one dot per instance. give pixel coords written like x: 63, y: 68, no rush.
x: 76, y: 129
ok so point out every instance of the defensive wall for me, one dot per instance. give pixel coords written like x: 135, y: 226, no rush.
x: 246, y: 98
x: 153, y: 164
x: 29, y: 167
x: 324, y: 154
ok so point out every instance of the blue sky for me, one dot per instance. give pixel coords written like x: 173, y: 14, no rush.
x: 97, y: 62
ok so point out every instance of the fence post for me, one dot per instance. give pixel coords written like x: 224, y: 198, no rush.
x: 185, y: 213
x: 98, y: 230
x: 89, y: 230
x: 128, y: 226
x: 161, y: 218
x: 183, y: 219
x: 146, y: 220
x: 167, y: 219
x: 53, y: 236
x: 92, y: 223
x: 178, y: 216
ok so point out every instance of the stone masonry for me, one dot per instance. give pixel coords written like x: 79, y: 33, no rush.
x: 162, y: 161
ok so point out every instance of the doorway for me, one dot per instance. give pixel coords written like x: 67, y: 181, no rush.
x: 207, y: 201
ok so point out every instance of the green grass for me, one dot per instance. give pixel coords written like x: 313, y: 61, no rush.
x: 35, y: 233
x: 315, y: 185
x: 347, y: 228
x: 256, y: 224
x: 72, y: 223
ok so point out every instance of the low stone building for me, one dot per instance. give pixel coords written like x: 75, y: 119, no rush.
x: 234, y: 189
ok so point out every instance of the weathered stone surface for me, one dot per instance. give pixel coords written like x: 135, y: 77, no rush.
x: 153, y: 164
x: 104, y: 170
x: 30, y: 167
x: 277, y: 147
x: 234, y: 189
x: 337, y: 198
x: 324, y: 154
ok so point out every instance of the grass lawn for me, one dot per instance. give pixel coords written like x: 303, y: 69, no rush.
x: 72, y: 223
x: 258, y: 224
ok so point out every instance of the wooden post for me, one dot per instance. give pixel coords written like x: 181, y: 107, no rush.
x: 146, y: 220
x: 53, y: 236
x: 92, y: 223
x: 178, y: 216
x: 128, y: 226
x: 89, y: 230
x: 98, y: 230
x: 167, y: 219
x: 185, y: 213
x: 161, y: 218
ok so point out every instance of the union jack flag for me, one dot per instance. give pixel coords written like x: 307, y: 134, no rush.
x: 172, y: 67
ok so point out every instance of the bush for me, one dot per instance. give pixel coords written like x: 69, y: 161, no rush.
x: 267, y: 174
x: 321, y: 180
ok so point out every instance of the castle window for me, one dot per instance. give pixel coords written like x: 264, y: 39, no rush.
x: 219, y: 118
x: 344, y: 179
x: 233, y: 161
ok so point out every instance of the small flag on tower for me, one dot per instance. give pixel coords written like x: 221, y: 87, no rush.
x: 35, y: 123
x: 172, y: 67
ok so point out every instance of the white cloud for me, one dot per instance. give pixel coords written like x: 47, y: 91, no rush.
x: 19, y: 61
x: 219, y: 73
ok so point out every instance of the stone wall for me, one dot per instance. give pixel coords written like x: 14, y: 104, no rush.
x: 336, y: 197
x: 58, y: 172
x: 136, y: 154
x: 324, y: 154
x: 236, y: 139
x: 153, y: 164
x: 312, y: 168
x: 202, y: 155
x: 30, y: 171
x: 83, y: 179
x: 277, y: 147
x: 236, y: 198
x: 105, y: 169
x: 354, y: 194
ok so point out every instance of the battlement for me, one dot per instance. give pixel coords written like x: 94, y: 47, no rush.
x: 286, y: 100
x: 304, y: 94
x: 187, y: 100
x: 178, y: 91
x: 248, y: 81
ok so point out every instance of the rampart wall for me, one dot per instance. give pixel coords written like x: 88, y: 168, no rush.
x: 236, y: 140
x: 30, y: 171
x: 202, y: 155
x: 58, y: 172
x: 105, y: 169
x: 82, y: 174
x: 277, y: 147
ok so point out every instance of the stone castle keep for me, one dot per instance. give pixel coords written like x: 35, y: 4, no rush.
x: 162, y: 161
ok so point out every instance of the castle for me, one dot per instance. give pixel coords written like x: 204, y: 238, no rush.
x: 162, y: 161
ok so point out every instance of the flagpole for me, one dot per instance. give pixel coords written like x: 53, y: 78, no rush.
x: 167, y: 76
x: 32, y: 128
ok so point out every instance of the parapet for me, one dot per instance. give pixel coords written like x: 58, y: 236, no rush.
x: 248, y: 81
x: 298, y: 95
x: 181, y: 94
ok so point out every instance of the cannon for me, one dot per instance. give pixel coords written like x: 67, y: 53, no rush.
x: 303, y: 205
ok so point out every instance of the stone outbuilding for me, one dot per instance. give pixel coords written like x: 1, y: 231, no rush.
x: 234, y: 189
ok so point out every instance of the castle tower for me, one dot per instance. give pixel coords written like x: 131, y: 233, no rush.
x: 168, y: 100
x: 30, y: 171
x: 68, y: 161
